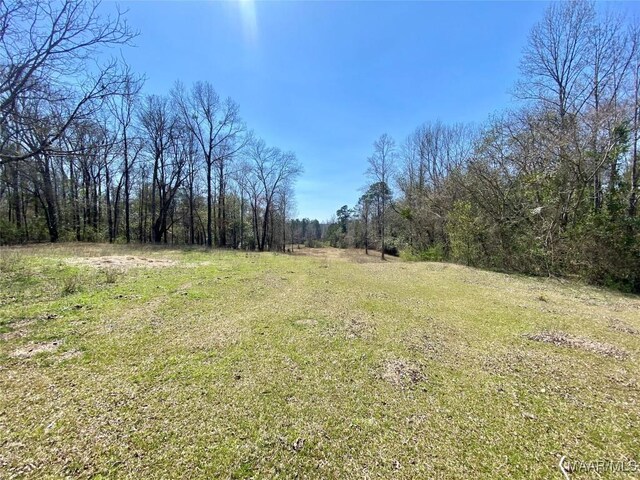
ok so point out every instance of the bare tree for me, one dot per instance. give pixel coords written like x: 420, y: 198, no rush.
x: 122, y: 108
x: 428, y: 158
x: 556, y: 56
x: 42, y: 46
x: 218, y: 129
x: 381, y: 170
x: 169, y: 150
x: 271, y: 169
x: 635, y: 102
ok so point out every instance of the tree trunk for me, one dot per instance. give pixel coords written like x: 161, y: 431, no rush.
x: 256, y: 233
x: 142, y: 215
x: 153, y: 194
x: 633, y: 198
x: 191, y: 214
x: 366, y: 232
x: 222, y: 220
x: 49, y: 203
x: 74, y: 200
x: 127, y: 186
x: 209, y: 206
x: 108, y: 199
x: 382, y: 229
x: 16, y: 197
x: 265, y: 223
x: 241, y: 220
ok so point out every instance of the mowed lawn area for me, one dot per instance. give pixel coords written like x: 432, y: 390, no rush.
x: 150, y: 362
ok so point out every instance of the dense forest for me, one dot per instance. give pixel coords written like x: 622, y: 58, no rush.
x: 549, y: 187
x: 85, y: 156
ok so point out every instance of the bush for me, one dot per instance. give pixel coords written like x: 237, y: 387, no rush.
x: 313, y: 244
x: 435, y: 253
x: 9, y: 262
x: 112, y: 274
x: 71, y: 284
x: 9, y: 234
x: 606, y: 251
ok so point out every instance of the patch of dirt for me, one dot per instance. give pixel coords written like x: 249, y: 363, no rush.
x: 122, y: 296
x: 5, y: 337
x: 20, y: 328
x: 525, y: 362
x: 358, y: 328
x: 350, y: 325
x: 123, y: 261
x: 33, y: 349
x: 562, y: 339
x: 620, y: 326
x: 401, y: 373
x: 429, y: 345
x: 438, y: 342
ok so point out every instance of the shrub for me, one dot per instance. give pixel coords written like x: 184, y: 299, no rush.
x: 71, y: 284
x: 435, y: 253
x: 112, y: 274
x: 313, y: 244
x: 9, y: 262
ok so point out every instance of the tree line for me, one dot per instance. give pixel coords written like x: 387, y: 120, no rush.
x: 548, y: 187
x: 86, y: 156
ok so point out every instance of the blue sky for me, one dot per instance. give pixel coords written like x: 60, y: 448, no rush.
x: 325, y: 79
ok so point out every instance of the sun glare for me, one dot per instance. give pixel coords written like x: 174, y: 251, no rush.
x: 249, y: 20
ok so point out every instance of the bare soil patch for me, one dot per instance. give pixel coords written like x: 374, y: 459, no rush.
x: 20, y: 328
x: 359, y: 328
x: 401, y: 373
x: 429, y: 345
x: 620, y: 326
x: 523, y: 363
x: 351, y: 326
x: 33, y: 349
x: 565, y: 340
x: 5, y: 337
x: 123, y: 261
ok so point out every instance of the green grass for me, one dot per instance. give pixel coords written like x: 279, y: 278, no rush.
x: 322, y: 364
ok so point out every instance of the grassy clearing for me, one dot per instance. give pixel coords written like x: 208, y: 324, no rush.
x: 162, y: 363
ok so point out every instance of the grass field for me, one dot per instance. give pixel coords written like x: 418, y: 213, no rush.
x: 120, y: 362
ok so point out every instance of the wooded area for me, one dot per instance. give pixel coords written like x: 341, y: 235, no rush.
x: 85, y: 156
x: 549, y: 187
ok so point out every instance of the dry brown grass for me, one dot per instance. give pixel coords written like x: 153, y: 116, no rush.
x: 401, y: 373
x: 353, y: 255
x: 122, y: 262
x: 33, y: 349
x: 564, y: 339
